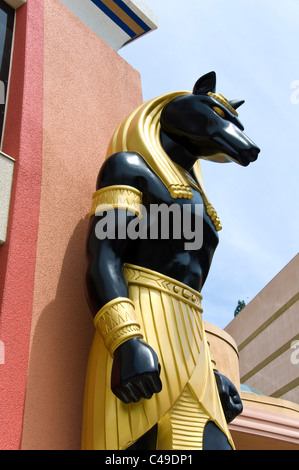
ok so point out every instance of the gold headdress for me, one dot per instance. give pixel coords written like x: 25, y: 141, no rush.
x: 140, y: 132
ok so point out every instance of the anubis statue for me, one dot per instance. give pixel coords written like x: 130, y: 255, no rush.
x: 151, y: 382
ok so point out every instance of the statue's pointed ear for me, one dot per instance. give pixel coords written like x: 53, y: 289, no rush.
x: 205, y: 84
x: 236, y: 103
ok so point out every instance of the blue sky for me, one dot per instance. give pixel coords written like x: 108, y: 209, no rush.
x: 253, y: 46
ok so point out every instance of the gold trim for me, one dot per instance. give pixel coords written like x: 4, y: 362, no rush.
x: 174, y: 329
x: 116, y: 322
x: 221, y: 99
x: 140, y: 132
x: 182, y: 428
x: 117, y: 197
x: 143, y: 277
x: 198, y: 186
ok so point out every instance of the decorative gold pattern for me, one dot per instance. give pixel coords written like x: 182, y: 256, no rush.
x: 117, y: 197
x: 221, y: 99
x: 183, y: 426
x: 171, y: 323
x: 209, y: 208
x: 213, y: 216
x: 146, y: 277
x: 116, y: 323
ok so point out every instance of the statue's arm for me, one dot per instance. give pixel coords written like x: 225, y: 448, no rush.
x: 135, y: 370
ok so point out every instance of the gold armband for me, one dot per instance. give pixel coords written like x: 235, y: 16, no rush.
x: 117, y: 197
x: 116, y: 323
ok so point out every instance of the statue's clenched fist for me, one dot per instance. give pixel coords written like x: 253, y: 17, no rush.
x: 135, y: 371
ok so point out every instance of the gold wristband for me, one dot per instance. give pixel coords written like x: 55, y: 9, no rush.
x: 116, y: 323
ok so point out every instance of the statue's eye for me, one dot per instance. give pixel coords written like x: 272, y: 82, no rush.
x: 219, y: 111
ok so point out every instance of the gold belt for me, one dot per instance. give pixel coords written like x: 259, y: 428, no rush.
x: 144, y: 277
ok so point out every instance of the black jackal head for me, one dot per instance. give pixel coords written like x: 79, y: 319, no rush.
x: 207, y: 125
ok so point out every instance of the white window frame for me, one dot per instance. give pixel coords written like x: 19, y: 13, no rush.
x: 6, y: 162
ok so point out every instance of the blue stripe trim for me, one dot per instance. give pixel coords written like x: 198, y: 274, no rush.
x: 114, y: 18
x: 133, y: 39
x: 132, y: 15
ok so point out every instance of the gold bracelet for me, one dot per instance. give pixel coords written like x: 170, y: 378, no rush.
x: 117, y: 197
x: 116, y: 323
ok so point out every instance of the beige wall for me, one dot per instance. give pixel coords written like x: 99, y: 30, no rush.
x: 265, y: 332
x: 224, y: 353
x: 266, y: 423
x: 88, y: 89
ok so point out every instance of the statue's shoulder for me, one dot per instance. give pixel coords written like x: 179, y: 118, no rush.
x: 123, y: 168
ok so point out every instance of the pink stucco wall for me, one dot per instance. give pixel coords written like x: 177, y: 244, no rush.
x: 22, y: 141
x: 88, y: 89
x: 69, y: 91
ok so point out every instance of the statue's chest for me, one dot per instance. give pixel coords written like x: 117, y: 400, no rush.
x: 180, y: 219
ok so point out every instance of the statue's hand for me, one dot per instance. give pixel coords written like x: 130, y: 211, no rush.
x: 229, y: 397
x: 135, y: 371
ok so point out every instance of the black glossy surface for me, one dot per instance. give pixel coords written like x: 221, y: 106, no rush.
x: 105, y: 279
x: 135, y: 371
x: 214, y: 438
x: 229, y: 397
x: 192, y: 124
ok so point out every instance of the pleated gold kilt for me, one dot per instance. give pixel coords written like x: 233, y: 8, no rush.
x: 170, y: 316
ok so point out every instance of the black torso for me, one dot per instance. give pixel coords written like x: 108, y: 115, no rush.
x: 168, y: 256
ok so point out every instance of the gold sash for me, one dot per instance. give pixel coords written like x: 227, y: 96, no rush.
x: 169, y: 313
